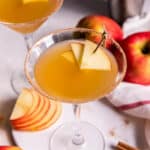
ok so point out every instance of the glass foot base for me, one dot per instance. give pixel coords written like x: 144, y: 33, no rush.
x: 62, y: 138
x: 18, y: 82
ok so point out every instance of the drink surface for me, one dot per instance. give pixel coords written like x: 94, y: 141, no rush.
x: 65, y: 81
x: 20, y: 11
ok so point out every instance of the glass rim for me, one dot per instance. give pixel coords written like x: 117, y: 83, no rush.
x: 35, y: 20
x: 75, y: 29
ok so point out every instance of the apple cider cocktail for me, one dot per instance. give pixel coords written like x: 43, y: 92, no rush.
x: 84, y: 75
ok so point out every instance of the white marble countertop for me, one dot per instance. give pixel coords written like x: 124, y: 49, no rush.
x: 112, y: 123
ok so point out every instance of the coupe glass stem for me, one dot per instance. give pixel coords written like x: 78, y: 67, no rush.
x: 18, y: 80
x: 77, y: 138
x: 28, y: 40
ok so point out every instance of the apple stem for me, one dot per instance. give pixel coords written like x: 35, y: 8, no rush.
x: 102, y: 42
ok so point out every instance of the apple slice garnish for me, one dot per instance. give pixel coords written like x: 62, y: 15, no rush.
x: 23, y: 104
x: 77, y: 49
x: 97, y: 60
x: 75, y: 54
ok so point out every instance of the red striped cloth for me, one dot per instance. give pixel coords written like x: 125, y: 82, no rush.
x: 132, y: 99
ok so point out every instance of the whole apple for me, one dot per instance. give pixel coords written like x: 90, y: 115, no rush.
x: 137, y: 50
x: 98, y: 22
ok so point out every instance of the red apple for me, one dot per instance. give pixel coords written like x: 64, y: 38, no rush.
x: 97, y: 22
x: 9, y: 148
x: 137, y: 50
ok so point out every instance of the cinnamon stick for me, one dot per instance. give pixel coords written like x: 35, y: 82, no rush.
x: 125, y: 146
x: 120, y: 148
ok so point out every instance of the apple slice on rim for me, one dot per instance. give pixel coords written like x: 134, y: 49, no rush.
x: 97, y: 60
x: 77, y: 49
x: 23, y: 105
x: 37, y: 116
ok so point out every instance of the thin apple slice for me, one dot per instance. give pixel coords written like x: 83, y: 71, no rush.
x: 45, y: 122
x: 30, y: 117
x: 37, y: 102
x: 37, y: 116
x: 23, y: 105
x: 52, y: 119
x: 97, y: 60
x: 77, y: 49
x: 35, y: 106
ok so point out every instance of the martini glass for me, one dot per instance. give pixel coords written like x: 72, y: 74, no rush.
x: 25, y: 17
x: 77, y: 135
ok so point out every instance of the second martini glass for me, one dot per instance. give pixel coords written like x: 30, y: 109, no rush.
x: 53, y: 71
x: 25, y: 16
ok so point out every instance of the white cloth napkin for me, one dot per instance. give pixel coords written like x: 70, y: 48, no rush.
x: 132, y: 99
x: 140, y: 22
x: 137, y: 24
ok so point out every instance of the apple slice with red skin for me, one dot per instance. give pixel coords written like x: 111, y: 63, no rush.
x: 37, y: 102
x: 9, y: 148
x: 23, y: 105
x: 37, y: 116
x: 35, y: 106
x: 137, y: 50
x: 29, y: 117
x: 50, y: 118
